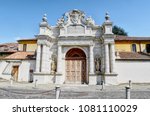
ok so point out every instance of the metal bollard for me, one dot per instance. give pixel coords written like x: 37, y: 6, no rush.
x: 102, y: 85
x: 128, y: 92
x: 35, y: 84
x: 130, y: 84
x: 57, y: 91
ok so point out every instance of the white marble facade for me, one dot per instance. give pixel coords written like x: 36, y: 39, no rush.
x: 75, y: 30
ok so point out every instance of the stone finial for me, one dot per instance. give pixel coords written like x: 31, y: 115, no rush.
x: 44, y: 19
x: 107, y: 17
x: 90, y: 21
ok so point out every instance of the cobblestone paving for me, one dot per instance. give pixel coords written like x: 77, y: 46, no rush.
x: 29, y: 91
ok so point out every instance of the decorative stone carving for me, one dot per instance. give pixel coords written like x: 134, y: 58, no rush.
x: 97, y: 65
x: 90, y: 21
x: 75, y: 17
x: 53, y: 66
x: 60, y: 22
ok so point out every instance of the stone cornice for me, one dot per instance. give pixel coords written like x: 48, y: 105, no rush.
x: 108, y: 36
x: 69, y: 43
x: 76, y: 38
x: 43, y: 37
x: 43, y: 40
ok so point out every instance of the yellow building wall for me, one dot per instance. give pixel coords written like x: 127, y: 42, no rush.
x: 27, y: 42
x: 123, y: 47
x: 127, y: 45
x: 31, y: 45
x: 29, y: 48
x: 20, y: 47
x: 143, y: 46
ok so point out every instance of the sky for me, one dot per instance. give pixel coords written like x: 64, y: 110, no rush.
x: 20, y: 18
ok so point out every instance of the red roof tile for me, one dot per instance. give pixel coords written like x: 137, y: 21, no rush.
x: 9, y: 47
x: 21, y: 56
x: 133, y: 56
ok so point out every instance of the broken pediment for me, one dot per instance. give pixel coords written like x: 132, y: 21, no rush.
x: 75, y: 17
x: 76, y: 23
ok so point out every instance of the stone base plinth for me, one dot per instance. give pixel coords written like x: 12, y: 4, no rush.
x: 59, y: 79
x: 92, y: 79
x: 110, y: 79
x: 43, y: 78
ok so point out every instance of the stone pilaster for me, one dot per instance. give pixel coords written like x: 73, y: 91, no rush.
x: 43, y: 67
x: 91, y: 60
x: 112, y: 58
x: 59, y: 60
x: 107, y: 63
x: 38, y: 56
x: 47, y: 60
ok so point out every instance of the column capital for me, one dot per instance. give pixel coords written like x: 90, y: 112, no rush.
x: 91, y: 45
x: 59, y: 45
x: 43, y: 42
x: 112, y: 43
x: 106, y: 43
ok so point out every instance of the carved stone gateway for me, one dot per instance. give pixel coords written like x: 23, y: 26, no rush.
x: 76, y: 41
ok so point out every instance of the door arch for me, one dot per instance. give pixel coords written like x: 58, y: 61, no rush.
x: 75, y: 66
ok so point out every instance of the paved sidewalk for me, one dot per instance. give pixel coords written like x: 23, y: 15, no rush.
x: 47, y: 91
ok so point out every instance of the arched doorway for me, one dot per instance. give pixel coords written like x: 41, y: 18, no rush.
x: 75, y: 66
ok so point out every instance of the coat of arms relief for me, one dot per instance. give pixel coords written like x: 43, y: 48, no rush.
x: 75, y: 17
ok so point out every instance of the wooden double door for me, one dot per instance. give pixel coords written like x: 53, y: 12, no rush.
x: 76, y: 71
x: 75, y: 66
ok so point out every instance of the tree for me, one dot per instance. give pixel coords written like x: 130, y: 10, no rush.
x: 119, y: 31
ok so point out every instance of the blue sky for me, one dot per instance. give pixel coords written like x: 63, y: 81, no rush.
x: 21, y: 18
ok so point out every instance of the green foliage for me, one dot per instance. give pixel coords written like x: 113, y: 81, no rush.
x: 119, y: 31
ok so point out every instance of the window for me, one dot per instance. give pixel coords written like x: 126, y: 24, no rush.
x: 24, y: 47
x: 133, y: 47
x: 148, y: 48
